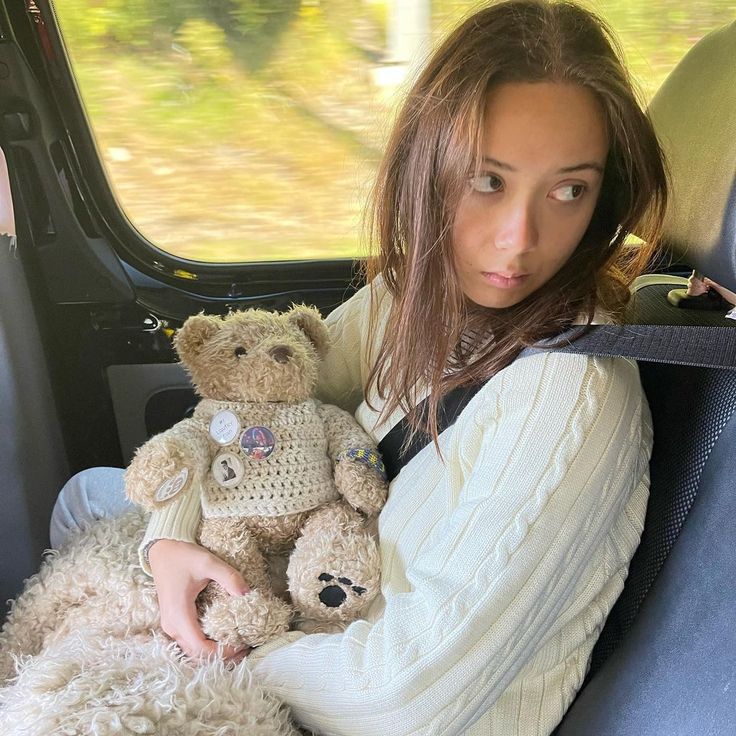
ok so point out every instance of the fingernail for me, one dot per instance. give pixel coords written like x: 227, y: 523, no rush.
x: 236, y: 658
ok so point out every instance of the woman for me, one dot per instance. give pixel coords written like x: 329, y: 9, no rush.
x: 518, y: 165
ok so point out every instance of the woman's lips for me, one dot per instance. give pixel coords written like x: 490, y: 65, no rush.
x: 505, y: 281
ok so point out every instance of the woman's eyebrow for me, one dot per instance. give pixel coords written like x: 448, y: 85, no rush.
x: 580, y: 167
x: 564, y: 170
x: 498, y: 164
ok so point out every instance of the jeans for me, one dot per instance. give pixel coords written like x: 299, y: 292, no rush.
x: 93, y: 494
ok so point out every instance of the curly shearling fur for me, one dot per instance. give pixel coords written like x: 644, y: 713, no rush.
x: 81, y: 653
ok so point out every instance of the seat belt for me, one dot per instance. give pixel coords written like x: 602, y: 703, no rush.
x: 694, y: 345
x: 691, y: 345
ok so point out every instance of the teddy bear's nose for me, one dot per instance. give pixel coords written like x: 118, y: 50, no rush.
x: 280, y: 353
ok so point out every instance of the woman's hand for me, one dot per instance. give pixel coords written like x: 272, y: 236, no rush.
x: 181, y: 571
x: 728, y: 295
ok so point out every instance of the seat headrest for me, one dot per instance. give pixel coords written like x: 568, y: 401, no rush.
x: 694, y: 114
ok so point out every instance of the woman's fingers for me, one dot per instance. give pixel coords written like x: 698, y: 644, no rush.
x: 179, y: 617
x: 190, y: 638
x: 728, y: 295
x: 228, y: 577
x: 181, y: 571
x: 188, y: 634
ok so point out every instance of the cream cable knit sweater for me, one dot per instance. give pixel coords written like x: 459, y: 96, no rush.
x: 498, y: 567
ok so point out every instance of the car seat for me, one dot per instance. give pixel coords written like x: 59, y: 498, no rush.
x: 33, y: 462
x: 666, y: 660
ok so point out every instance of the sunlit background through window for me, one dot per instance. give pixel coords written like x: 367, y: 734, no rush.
x: 250, y: 130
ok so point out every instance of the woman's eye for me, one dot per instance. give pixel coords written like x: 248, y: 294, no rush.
x: 240, y: 352
x: 568, y: 192
x: 487, y: 183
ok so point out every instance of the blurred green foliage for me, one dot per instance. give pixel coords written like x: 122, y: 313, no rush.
x: 239, y: 130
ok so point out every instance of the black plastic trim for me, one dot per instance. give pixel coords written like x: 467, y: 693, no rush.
x: 77, y: 268
x: 326, y: 290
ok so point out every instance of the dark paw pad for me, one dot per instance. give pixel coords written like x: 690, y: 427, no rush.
x: 334, y: 595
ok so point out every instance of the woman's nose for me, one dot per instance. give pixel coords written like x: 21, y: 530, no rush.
x: 517, y: 228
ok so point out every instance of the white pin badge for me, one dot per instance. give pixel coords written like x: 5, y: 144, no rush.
x: 171, y: 487
x: 227, y: 469
x: 224, y: 427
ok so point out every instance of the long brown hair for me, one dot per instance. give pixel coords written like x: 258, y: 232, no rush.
x: 433, y: 149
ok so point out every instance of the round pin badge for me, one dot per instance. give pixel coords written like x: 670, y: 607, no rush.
x: 227, y: 469
x: 224, y: 427
x: 171, y: 487
x: 257, y: 442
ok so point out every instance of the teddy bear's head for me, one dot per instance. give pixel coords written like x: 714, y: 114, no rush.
x: 254, y: 355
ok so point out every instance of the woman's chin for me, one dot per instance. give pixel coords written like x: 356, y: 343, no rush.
x: 493, y: 298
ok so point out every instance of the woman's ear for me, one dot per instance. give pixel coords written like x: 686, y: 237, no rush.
x: 310, y: 322
x: 192, y: 336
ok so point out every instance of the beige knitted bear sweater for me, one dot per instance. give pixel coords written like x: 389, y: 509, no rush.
x: 264, y: 459
x: 269, y: 458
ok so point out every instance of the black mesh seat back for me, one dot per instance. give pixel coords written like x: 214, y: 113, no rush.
x: 675, y: 671
x: 690, y: 409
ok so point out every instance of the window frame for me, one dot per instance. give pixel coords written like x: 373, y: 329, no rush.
x: 91, y: 189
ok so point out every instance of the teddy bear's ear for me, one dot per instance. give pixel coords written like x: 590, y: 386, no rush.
x: 310, y: 322
x: 191, y: 337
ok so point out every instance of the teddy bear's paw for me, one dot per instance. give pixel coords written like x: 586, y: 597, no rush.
x: 362, y: 486
x: 337, y: 590
x: 248, y: 620
x: 334, y: 576
x: 336, y: 597
x: 161, y: 470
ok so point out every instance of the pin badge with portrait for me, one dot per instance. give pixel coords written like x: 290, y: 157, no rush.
x: 224, y: 427
x: 171, y: 487
x: 257, y: 442
x: 227, y: 469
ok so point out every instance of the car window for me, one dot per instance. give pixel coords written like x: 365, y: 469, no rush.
x: 250, y: 130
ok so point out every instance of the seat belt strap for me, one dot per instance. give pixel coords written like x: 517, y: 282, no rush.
x: 692, y: 345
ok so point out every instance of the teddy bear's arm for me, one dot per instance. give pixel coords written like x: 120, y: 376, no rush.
x: 168, y: 464
x: 359, y: 473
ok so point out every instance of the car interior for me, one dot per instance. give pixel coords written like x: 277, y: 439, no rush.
x: 88, y: 372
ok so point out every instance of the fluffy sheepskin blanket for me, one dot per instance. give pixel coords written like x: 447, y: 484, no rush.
x: 82, y: 653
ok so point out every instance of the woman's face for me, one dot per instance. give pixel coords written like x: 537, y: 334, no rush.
x: 544, y: 149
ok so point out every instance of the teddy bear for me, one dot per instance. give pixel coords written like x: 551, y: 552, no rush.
x: 266, y: 470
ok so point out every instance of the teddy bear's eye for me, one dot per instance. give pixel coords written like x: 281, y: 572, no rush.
x: 240, y: 352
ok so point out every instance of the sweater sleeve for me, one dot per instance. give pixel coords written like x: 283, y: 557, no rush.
x: 540, y: 468
x: 344, y: 371
x: 179, y: 521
